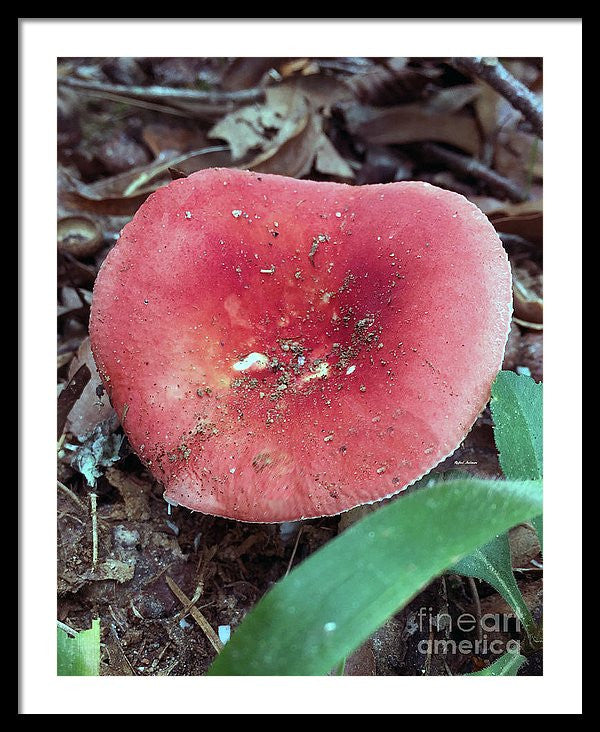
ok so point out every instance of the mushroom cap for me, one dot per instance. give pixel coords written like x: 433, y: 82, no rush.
x: 280, y: 349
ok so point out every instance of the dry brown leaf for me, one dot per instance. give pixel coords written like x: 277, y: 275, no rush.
x: 512, y: 349
x: 383, y: 164
x: 247, y: 71
x: 214, y: 157
x: 526, y: 71
x: 112, y: 569
x: 524, y: 219
x: 387, y: 84
x: 105, y: 195
x: 413, y: 123
x: 454, y: 98
x: 71, y: 271
x: 120, y: 153
x: 298, y: 66
x: 532, y: 354
x: 110, y: 205
x: 69, y: 395
x: 74, y: 302
x: 527, y: 324
x: 518, y: 155
x: 265, y: 127
x: 124, y: 193
x: 322, y: 92
x: 495, y: 604
x: 134, y: 491
x: 161, y: 137
x: 295, y: 157
x: 524, y: 545
x: 286, y: 132
x: 243, y: 131
x: 494, y: 111
x: 329, y: 162
x: 527, y: 292
x: 90, y: 409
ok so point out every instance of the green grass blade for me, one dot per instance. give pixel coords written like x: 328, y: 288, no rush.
x: 517, y: 407
x: 333, y: 601
x: 79, y: 656
x: 492, y: 563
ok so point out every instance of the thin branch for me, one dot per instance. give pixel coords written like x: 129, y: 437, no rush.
x: 121, y: 651
x: 477, y: 603
x: 293, y: 553
x: 71, y: 495
x: 66, y: 628
x: 94, y: 515
x: 196, y: 614
x: 499, y: 78
x: 470, y: 166
x: 167, y: 94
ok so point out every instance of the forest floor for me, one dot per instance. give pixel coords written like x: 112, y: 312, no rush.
x: 128, y: 126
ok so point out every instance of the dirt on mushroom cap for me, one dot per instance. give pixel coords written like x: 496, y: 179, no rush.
x: 292, y: 348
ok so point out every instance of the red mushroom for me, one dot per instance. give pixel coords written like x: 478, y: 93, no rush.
x: 281, y: 349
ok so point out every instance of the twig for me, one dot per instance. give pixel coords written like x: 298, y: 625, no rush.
x: 71, y: 495
x: 168, y: 94
x: 119, y: 621
x: 195, y: 597
x: 500, y: 79
x: 66, y: 628
x: 94, y: 515
x: 293, y: 553
x: 62, y: 514
x: 139, y: 103
x: 75, y: 498
x: 527, y: 324
x: 477, y: 603
x: 120, y: 647
x: 155, y: 170
x: 196, y: 614
x: 162, y: 653
x: 135, y: 611
x: 470, y: 166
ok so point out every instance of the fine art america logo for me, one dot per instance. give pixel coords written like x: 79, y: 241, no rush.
x: 485, y: 630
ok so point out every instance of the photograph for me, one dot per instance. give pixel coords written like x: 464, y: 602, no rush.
x: 299, y: 366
